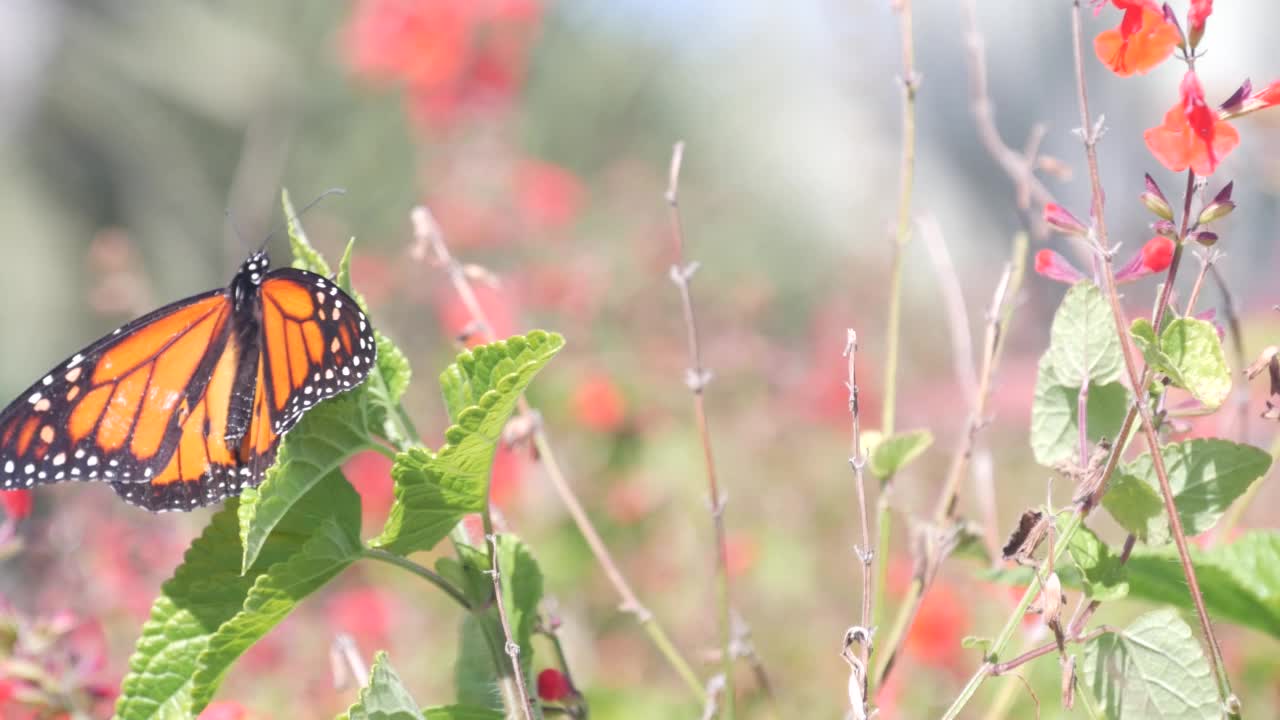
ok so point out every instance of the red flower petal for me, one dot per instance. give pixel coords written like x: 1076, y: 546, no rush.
x: 553, y: 685
x: 17, y: 503
x: 1143, y: 40
x: 1157, y: 254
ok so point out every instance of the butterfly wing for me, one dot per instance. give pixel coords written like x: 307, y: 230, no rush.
x: 316, y: 343
x: 115, y: 410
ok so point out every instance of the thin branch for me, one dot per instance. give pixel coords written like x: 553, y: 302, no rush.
x: 1020, y: 167
x: 1090, y: 133
x: 429, y: 245
x: 511, y: 647
x: 998, y: 317
x: 697, y: 377
x: 406, y: 564
x: 864, y: 551
x: 953, y: 303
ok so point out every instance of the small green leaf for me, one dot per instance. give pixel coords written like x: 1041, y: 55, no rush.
x: 434, y: 490
x: 1206, y: 475
x: 463, y: 712
x: 1194, y: 349
x: 475, y: 675
x: 208, y: 592
x: 1152, y: 669
x: 326, y: 437
x: 305, y: 257
x: 385, y: 697
x: 1104, y: 576
x: 1083, y: 341
x: 273, y: 596
x: 976, y: 641
x: 893, y: 453
x: 1054, y: 415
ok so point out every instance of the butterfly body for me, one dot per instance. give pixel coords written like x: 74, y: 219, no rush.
x: 187, y: 405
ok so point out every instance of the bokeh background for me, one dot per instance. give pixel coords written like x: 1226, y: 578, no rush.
x: 142, y: 151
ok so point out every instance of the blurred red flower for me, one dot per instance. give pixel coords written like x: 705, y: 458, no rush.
x: 598, y: 403
x: 456, y: 320
x: 1157, y: 254
x: 370, y: 473
x: 225, y: 710
x: 449, y: 55
x: 939, y: 626
x: 1192, y: 134
x: 506, y: 475
x: 549, y: 196
x: 740, y: 552
x: 553, y: 685
x: 367, y: 613
x: 1196, y: 17
x: 17, y: 503
x: 373, y: 276
x: 1143, y: 40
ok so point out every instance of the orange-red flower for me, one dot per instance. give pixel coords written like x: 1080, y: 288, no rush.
x: 549, y: 196
x: 1192, y: 135
x: 599, y: 404
x: 16, y: 503
x: 1143, y: 40
x: 1196, y: 17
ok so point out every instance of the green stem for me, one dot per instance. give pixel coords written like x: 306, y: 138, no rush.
x: 1015, y: 619
x: 420, y: 571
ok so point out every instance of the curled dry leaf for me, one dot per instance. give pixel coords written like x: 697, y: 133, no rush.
x: 1023, y: 541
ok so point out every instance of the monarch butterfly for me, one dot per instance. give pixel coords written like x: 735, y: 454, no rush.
x: 186, y: 406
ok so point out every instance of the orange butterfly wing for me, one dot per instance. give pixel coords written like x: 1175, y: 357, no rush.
x: 114, y: 410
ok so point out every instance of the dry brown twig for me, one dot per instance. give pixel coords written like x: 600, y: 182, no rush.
x: 429, y: 246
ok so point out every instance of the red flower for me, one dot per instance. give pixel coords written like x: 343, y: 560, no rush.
x: 1061, y: 219
x: 506, y: 475
x: 940, y: 624
x: 1055, y: 267
x: 17, y: 503
x: 549, y: 196
x: 1245, y: 100
x: 369, y: 473
x: 553, y: 685
x: 1157, y: 254
x: 739, y: 554
x: 456, y: 319
x: 367, y: 613
x: 422, y: 43
x: 1192, y: 135
x: 224, y: 710
x: 598, y: 404
x: 1143, y: 40
x: 1196, y: 17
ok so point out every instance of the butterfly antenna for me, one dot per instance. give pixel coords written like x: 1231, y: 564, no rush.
x: 300, y: 213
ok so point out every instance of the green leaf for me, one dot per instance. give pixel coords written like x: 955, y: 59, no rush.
x: 1196, y: 352
x: 1054, y: 415
x: 434, y: 490
x: 385, y: 697
x: 475, y: 676
x: 305, y: 257
x: 1152, y: 669
x: 893, y: 453
x: 1104, y: 576
x: 273, y: 597
x: 1240, y: 581
x: 326, y: 437
x: 208, y: 592
x: 1083, y: 341
x: 463, y: 712
x: 1206, y: 476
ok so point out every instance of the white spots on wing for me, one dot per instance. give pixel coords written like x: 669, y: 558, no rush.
x: 75, y: 360
x: 79, y: 453
x: 48, y: 380
x: 8, y: 466
x: 335, y: 345
x: 356, y: 361
x: 59, y: 459
x: 337, y: 304
x: 328, y: 374
x: 308, y: 390
x: 35, y: 398
x: 74, y: 373
x: 336, y: 312
x: 346, y: 371
x: 30, y: 468
x: 93, y: 460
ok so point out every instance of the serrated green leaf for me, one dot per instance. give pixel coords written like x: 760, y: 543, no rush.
x: 305, y: 257
x: 434, y: 490
x: 1239, y: 581
x: 1194, y: 349
x: 463, y: 712
x: 1206, y: 475
x: 1083, y: 341
x: 1054, y: 415
x: 1103, y: 575
x: 208, y: 590
x: 476, y: 678
x: 1154, y: 669
x: 273, y: 596
x: 326, y: 437
x: 893, y: 453
x: 385, y: 697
